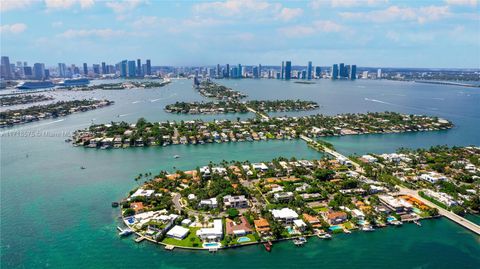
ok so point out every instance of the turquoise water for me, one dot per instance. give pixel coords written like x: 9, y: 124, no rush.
x: 243, y: 239
x: 55, y: 215
x: 210, y: 245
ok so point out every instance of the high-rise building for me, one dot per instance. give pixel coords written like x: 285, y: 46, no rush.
x: 309, y: 70
x: 38, y: 71
x: 341, y: 70
x: 365, y: 74
x: 96, y: 69
x: 27, y: 71
x: 218, y: 71
x: 228, y: 71
x: 240, y: 71
x: 62, y: 70
x: 379, y: 73
x: 6, y: 71
x: 346, y: 73
x: 139, y: 67
x: 335, y: 71
x: 304, y: 74
x: 288, y: 70
x: 282, y: 71
x: 46, y: 75
x: 123, y: 68
x: 149, y: 68
x: 353, y: 72
x: 85, y: 69
x: 104, y: 68
x: 131, y: 72
x: 318, y: 71
x: 255, y: 72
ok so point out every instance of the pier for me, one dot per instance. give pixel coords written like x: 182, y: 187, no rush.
x: 448, y: 214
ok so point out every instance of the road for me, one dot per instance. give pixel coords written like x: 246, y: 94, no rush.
x: 450, y: 215
x: 258, y: 113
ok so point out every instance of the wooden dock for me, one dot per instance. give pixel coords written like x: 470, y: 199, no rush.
x: 169, y: 247
x: 139, y: 239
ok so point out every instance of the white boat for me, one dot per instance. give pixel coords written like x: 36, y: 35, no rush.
x: 324, y: 236
x: 368, y: 228
x: 176, y: 156
x: 125, y: 232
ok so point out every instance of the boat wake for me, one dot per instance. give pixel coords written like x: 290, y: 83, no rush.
x: 136, y: 102
x: 378, y: 101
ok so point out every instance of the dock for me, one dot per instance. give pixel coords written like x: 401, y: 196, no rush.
x: 139, y: 239
x: 169, y: 247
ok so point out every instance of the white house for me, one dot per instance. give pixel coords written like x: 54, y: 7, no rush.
x: 142, y: 193
x: 432, y: 177
x: 212, y: 234
x: 284, y: 215
x: 300, y: 224
x: 211, y: 203
x: 260, y: 167
x: 178, y: 232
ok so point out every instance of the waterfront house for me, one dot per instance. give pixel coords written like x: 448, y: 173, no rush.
x: 137, y: 206
x: 358, y: 214
x: 313, y: 220
x: 300, y: 225
x: 395, y: 204
x: 178, y: 232
x: 284, y: 215
x: 142, y: 193
x: 262, y: 226
x: 336, y: 217
x: 242, y: 227
x: 214, y: 233
x: 235, y: 201
x: 261, y: 167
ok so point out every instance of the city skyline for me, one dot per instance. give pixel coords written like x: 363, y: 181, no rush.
x: 369, y: 33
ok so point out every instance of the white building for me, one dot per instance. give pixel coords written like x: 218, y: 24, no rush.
x: 284, y: 215
x: 142, y: 193
x: 260, y: 167
x: 178, y: 232
x: 235, y: 201
x: 210, y: 203
x: 433, y: 177
x: 212, y: 234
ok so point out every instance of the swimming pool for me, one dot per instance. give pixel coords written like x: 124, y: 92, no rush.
x: 290, y: 230
x: 243, y: 239
x: 390, y: 219
x: 335, y: 228
x: 131, y: 220
x: 212, y: 245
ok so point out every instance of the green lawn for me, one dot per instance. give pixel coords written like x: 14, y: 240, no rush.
x: 251, y: 236
x: 320, y: 209
x: 187, y: 241
x: 348, y: 225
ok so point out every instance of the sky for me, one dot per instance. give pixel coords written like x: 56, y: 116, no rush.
x: 375, y: 33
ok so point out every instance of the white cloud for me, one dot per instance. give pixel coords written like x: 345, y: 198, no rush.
x: 287, y: 14
x: 307, y: 30
x: 123, y: 6
x: 472, y: 3
x: 316, y: 4
x: 7, y: 5
x: 57, y: 24
x: 15, y: 28
x: 235, y: 7
x: 102, y: 33
x: 66, y: 4
x: 395, y: 13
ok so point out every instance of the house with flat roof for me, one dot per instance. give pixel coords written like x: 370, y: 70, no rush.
x: 208, y: 203
x: 283, y: 197
x: 300, y: 225
x: 284, y: 215
x: 235, y: 201
x: 142, y: 193
x: 178, y: 232
x: 214, y: 233
x: 432, y: 177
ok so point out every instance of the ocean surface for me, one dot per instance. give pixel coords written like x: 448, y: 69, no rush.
x: 55, y: 215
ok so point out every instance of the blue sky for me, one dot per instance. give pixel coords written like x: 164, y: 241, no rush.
x: 369, y: 32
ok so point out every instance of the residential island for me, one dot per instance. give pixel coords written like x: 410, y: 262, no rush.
x: 240, y: 107
x: 22, y: 99
x: 144, y: 133
x: 235, y: 203
x: 134, y: 84
x: 58, y: 109
x: 210, y: 89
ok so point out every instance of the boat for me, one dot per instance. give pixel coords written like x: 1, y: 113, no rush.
x: 325, y: 236
x: 299, y: 241
x: 125, y: 232
x: 176, y: 156
x: 417, y: 222
x: 115, y: 204
x: 68, y: 140
x: 105, y: 147
x: 74, y: 82
x: 32, y: 85
x: 82, y: 167
x: 268, y: 246
x: 367, y: 228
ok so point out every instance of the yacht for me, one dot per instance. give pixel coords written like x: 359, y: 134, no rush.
x: 32, y: 85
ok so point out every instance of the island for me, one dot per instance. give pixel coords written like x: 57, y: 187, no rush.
x: 134, y: 84
x: 22, y: 99
x: 240, y: 203
x: 144, y: 133
x: 211, y: 89
x: 61, y: 108
x: 240, y: 107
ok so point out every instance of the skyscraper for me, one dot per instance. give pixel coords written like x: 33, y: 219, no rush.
x: 335, y: 71
x: 85, y: 69
x: 318, y: 71
x: 346, y: 73
x: 96, y: 69
x: 227, y: 71
x: 353, y: 72
x: 218, y: 71
x: 131, y: 72
x: 341, y: 70
x: 255, y: 72
x: 39, y: 71
x: 309, y: 70
x: 6, y: 71
x: 123, y: 68
x: 259, y: 70
x: 149, y: 68
x: 62, y: 70
x: 282, y: 71
x: 240, y: 71
x: 104, y: 68
x: 379, y: 73
x: 288, y: 70
x: 139, y: 67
